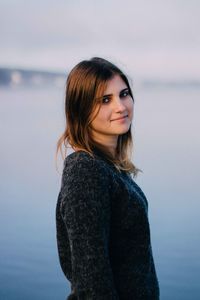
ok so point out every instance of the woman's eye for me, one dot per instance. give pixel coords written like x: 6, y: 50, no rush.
x: 105, y: 100
x: 125, y: 93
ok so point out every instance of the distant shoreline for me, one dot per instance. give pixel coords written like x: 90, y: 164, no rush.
x: 33, y: 78
x: 19, y: 77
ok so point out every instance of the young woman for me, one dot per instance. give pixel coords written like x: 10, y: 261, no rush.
x: 103, y: 233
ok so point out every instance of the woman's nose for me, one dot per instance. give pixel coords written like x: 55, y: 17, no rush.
x: 118, y: 105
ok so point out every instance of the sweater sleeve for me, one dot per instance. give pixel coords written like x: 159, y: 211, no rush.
x: 85, y: 210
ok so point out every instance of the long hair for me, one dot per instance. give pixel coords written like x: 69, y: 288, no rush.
x: 86, y: 84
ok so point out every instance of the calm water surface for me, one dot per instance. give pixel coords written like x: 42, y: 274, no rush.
x: 167, y: 146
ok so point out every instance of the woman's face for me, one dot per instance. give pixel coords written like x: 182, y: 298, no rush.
x: 116, y: 112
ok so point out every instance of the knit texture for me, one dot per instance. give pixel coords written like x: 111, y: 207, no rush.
x: 103, y: 233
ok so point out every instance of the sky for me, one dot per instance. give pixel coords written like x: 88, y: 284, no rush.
x: 151, y: 39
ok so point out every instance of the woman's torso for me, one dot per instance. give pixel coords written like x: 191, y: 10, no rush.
x: 128, y: 235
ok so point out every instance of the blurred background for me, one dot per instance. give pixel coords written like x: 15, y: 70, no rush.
x: 157, y: 44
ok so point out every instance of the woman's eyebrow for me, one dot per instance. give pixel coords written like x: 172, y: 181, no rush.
x: 108, y: 95
x: 124, y: 90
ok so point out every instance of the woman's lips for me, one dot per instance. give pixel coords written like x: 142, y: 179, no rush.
x: 121, y: 118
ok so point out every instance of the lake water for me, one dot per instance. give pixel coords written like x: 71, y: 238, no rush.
x: 167, y: 148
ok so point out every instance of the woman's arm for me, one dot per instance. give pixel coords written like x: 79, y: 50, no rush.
x: 85, y: 209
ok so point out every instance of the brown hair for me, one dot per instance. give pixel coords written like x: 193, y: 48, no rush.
x: 85, y: 84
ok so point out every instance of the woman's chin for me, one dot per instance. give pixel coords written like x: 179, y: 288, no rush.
x: 123, y: 130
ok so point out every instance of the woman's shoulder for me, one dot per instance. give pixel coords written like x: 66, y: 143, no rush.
x: 82, y: 161
x: 96, y: 164
x: 84, y: 170
x: 79, y: 157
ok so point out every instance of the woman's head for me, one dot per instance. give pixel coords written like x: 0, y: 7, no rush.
x: 85, y: 107
x: 113, y: 115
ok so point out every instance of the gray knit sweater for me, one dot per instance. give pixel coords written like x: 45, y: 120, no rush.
x: 103, y: 233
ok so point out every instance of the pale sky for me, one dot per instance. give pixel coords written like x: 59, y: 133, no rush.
x: 153, y: 39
